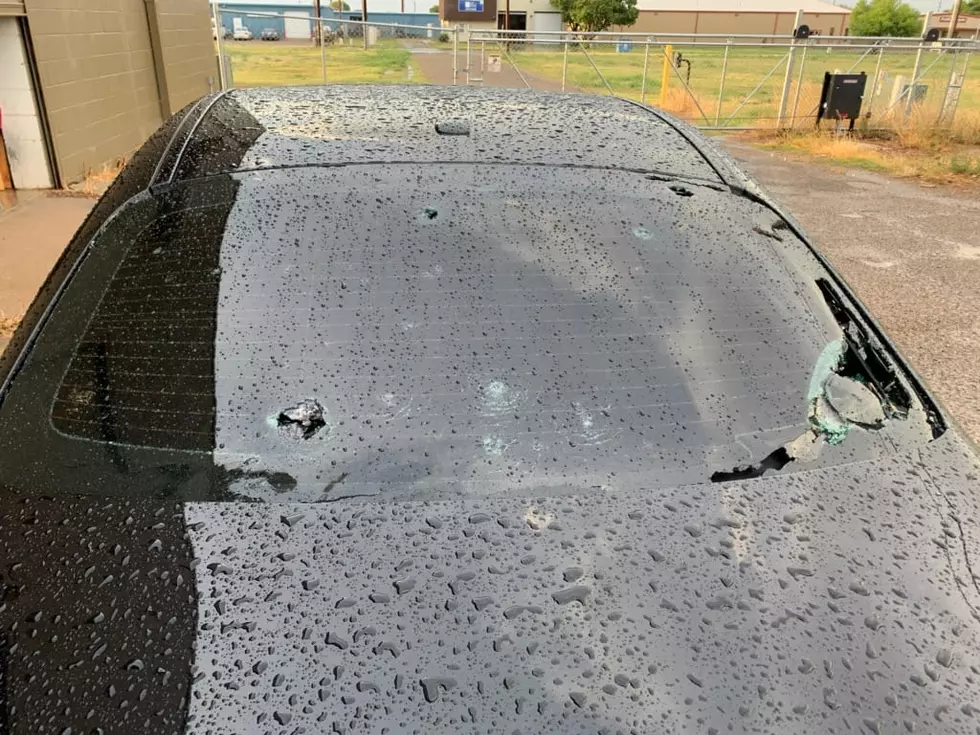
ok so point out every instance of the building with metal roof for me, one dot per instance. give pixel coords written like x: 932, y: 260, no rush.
x: 759, y: 17
x: 762, y: 17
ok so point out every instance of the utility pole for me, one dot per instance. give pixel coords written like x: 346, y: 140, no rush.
x: 364, y: 18
x: 318, y: 32
x: 953, y: 19
x: 219, y: 33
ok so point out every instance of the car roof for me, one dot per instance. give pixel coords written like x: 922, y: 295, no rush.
x: 337, y: 125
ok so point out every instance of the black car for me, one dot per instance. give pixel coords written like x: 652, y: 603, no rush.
x: 269, y: 34
x: 424, y: 410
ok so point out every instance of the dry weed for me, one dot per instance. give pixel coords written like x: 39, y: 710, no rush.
x: 8, y: 324
x: 96, y: 182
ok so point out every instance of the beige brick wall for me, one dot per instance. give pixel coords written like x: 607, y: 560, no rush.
x: 187, y: 49
x: 96, y: 67
x: 100, y: 83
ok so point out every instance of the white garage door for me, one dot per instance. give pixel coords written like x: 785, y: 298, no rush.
x: 21, y: 126
x: 297, y: 27
x: 546, y: 22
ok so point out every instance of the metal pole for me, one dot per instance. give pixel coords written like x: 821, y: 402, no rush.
x: 953, y: 19
x: 721, y: 87
x: 318, y: 38
x: 323, y: 50
x: 589, y: 57
x: 646, y: 65
x: 455, y: 53
x: 752, y: 93
x: 915, y: 77
x: 875, y: 83
x: 918, y: 65
x: 468, y: 60
x: 788, y: 77
x: 564, y: 66
x: 949, y: 84
x: 364, y: 28
x: 506, y: 54
x: 483, y: 68
x: 219, y: 32
x: 966, y: 68
x: 799, y: 85
x: 687, y: 88
x: 908, y: 90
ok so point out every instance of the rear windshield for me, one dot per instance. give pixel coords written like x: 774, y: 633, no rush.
x: 411, y: 332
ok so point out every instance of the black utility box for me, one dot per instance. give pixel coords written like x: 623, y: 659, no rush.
x: 841, y: 97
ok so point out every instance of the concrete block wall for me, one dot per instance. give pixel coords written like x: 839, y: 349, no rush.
x: 187, y: 49
x: 107, y: 85
x: 97, y: 75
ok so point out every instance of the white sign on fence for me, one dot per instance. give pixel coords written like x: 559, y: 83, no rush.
x: 493, y: 63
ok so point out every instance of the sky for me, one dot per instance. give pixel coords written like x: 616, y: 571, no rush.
x: 422, y: 6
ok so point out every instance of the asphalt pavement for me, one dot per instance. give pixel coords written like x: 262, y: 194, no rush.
x: 910, y: 251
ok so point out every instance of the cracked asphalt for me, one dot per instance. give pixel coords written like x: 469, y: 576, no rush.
x: 911, y: 253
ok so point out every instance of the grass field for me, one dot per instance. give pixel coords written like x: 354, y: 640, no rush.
x: 257, y: 64
x: 747, y: 67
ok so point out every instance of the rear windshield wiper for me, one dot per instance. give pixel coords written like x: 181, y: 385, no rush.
x: 854, y: 384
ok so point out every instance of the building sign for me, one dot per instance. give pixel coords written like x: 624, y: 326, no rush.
x: 470, y: 6
x: 493, y: 63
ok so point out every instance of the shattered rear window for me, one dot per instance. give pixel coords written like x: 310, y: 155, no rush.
x: 324, y: 334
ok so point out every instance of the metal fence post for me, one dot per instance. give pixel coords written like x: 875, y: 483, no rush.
x: 646, y: 65
x: 799, y: 85
x: 323, y: 51
x: 588, y: 56
x: 222, y: 71
x: 915, y: 76
x: 469, y: 60
x: 455, y: 53
x: 962, y: 80
x: 665, y: 73
x: 564, y: 65
x: 875, y: 83
x: 721, y: 86
x: 483, y: 66
x: 788, y: 77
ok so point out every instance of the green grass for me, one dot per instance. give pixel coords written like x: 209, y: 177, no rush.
x: 965, y: 165
x: 256, y: 64
x: 862, y: 163
x: 746, y: 69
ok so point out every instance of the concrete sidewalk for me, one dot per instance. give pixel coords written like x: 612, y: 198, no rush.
x: 34, y: 229
x: 437, y: 68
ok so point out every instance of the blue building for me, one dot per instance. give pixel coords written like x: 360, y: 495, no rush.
x: 296, y: 22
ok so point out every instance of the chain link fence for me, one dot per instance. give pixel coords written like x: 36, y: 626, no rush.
x: 740, y: 82
x: 293, y: 48
x: 711, y: 81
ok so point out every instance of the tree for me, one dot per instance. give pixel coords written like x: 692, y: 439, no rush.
x: 884, y: 18
x: 971, y: 6
x: 435, y: 8
x: 592, y: 16
x: 339, y: 5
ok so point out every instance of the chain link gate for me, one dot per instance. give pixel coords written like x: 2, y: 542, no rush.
x: 736, y: 82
